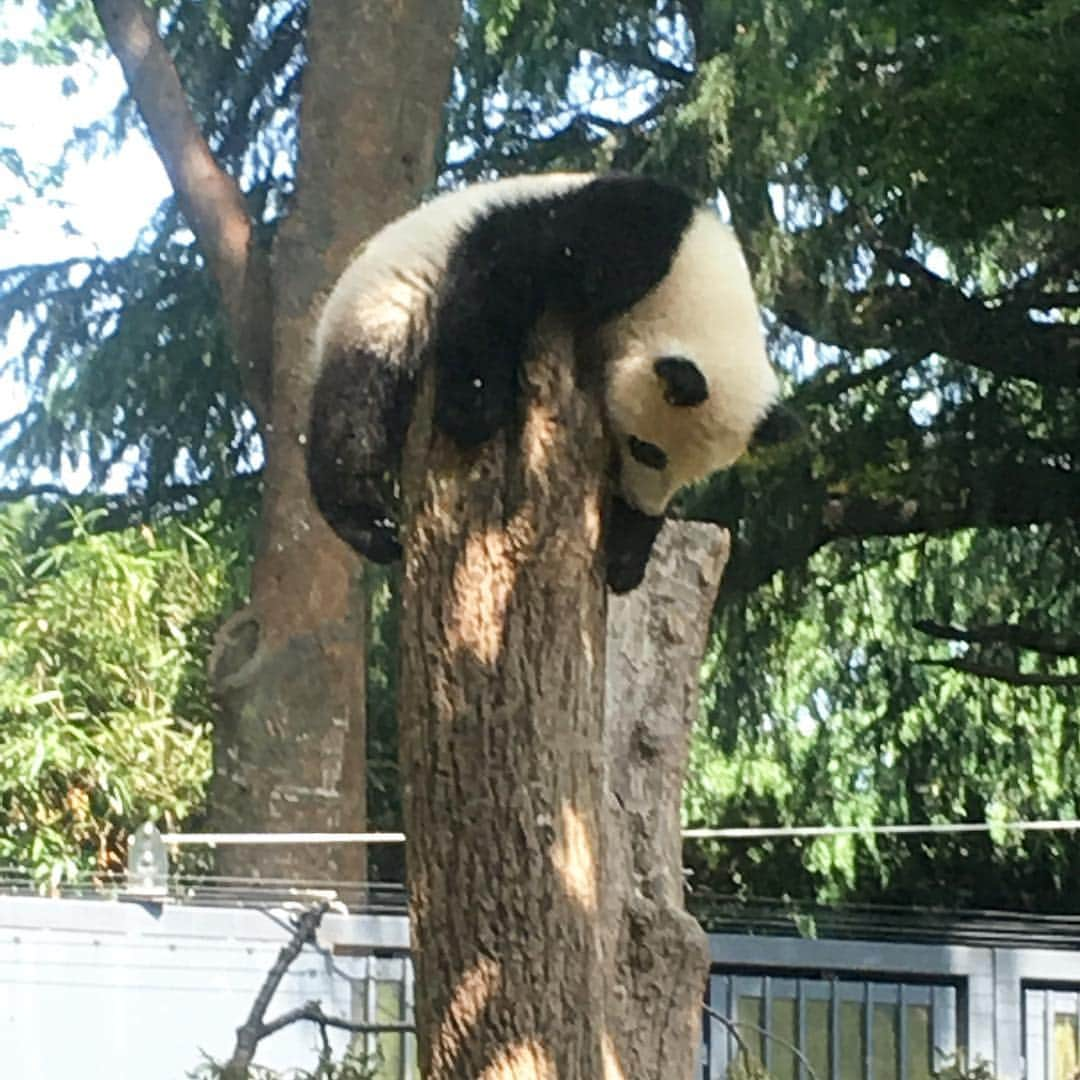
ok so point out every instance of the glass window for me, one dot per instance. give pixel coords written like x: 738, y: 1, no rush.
x: 1051, y: 1033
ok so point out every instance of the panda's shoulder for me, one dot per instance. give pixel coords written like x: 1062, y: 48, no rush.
x: 420, y: 242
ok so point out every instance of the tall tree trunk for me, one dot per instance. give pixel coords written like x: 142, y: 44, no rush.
x: 289, y: 750
x: 501, y: 736
x: 289, y: 669
x: 549, y: 932
x: 658, y: 955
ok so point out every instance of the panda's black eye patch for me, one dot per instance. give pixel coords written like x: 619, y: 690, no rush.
x: 648, y: 454
x: 684, y: 384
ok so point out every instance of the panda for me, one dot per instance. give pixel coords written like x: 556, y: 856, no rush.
x: 657, y: 284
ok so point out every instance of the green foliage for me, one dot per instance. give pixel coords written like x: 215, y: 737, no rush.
x: 961, y: 1069
x: 386, y: 862
x: 855, y: 724
x: 103, y: 701
x: 857, y: 145
x: 903, y: 176
x: 65, y: 27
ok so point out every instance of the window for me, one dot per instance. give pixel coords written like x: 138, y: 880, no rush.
x: 1051, y: 1026
x: 382, y: 993
x: 817, y: 1027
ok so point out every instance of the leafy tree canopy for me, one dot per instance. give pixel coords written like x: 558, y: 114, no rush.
x: 897, y: 633
x: 897, y: 630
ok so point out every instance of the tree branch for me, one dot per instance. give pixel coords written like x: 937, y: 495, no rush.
x: 1020, y: 637
x: 1013, y: 678
x: 641, y: 57
x: 253, y: 1030
x: 312, y: 1011
x: 930, y: 315
x: 834, y: 381
x: 799, y: 515
x: 209, y: 198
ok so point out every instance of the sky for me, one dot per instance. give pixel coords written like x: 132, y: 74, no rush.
x: 108, y: 199
x: 104, y: 202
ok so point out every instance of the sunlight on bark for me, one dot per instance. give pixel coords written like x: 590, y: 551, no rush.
x: 537, y: 437
x: 572, y: 855
x: 524, y: 1060
x: 471, y: 995
x: 484, y: 580
x: 612, y: 1069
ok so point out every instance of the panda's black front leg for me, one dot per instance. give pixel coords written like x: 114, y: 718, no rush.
x: 591, y: 252
x: 629, y: 536
x: 494, y: 292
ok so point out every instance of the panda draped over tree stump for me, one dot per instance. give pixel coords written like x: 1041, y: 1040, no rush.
x: 663, y: 311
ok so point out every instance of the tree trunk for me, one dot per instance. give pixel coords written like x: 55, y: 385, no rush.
x: 289, y: 669
x: 501, y: 735
x: 657, y: 954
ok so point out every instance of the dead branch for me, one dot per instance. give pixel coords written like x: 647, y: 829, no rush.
x: 312, y: 1011
x: 253, y: 1030
x: 256, y: 1028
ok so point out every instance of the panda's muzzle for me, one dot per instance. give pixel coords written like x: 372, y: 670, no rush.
x: 684, y: 383
x: 646, y: 453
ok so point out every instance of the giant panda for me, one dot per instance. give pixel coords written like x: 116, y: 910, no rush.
x: 656, y: 283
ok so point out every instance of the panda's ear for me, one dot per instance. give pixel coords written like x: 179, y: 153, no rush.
x: 779, y: 425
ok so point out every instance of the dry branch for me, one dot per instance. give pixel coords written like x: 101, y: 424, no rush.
x: 255, y: 1028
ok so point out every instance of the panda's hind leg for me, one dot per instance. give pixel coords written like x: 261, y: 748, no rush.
x: 359, y: 416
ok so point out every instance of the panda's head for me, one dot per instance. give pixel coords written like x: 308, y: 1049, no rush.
x: 688, y: 378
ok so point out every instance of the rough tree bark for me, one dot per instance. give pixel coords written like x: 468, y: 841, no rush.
x: 549, y: 933
x: 657, y: 954
x: 501, y: 720
x: 289, y: 745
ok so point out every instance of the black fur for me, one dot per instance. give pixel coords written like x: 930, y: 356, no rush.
x: 779, y: 425
x: 646, y: 453
x: 684, y: 383
x: 590, y: 252
x: 357, y: 433
x: 628, y: 541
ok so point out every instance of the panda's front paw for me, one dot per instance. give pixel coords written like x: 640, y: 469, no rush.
x: 379, y: 542
x: 472, y: 405
x: 629, y: 535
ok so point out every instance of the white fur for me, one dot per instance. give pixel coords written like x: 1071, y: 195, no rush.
x: 704, y: 310
x: 383, y: 299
